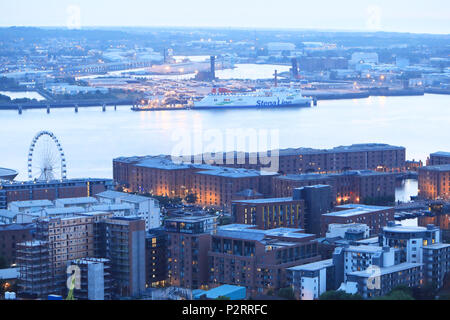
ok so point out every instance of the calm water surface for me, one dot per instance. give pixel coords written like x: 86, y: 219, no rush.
x: 91, y: 138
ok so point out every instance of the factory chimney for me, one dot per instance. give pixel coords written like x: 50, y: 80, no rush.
x: 213, y: 68
x: 294, y: 68
x: 276, y: 78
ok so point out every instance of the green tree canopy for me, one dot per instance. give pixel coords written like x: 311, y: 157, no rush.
x: 339, y: 295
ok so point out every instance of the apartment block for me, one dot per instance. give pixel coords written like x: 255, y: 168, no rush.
x: 68, y: 238
x: 187, y: 250
x: 311, y: 280
x: 258, y: 259
x: 156, y: 257
x: 124, y: 246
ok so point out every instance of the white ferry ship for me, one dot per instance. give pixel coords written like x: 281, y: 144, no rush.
x: 264, y: 98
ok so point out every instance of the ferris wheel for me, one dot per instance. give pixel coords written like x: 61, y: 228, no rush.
x: 46, y: 159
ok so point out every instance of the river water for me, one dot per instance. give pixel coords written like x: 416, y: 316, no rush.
x: 92, y: 138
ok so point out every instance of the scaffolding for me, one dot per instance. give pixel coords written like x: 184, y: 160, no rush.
x: 34, y: 264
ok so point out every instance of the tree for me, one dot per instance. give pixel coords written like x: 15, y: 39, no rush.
x: 339, y: 295
x: 287, y: 293
x: 401, y: 292
x: 270, y: 292
x: 426, y: 292
x: 396, y: 295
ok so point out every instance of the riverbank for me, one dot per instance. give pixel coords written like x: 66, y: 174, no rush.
x: 315, y: 94
x: 64, y: 104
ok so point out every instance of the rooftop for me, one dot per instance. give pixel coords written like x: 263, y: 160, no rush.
x: 111, y: 207
x: 160, y: 162
x: 245, y: 231
x: 79, y: 200
x: 11, y: 273
x: 441, y: 167
x: 405, y: 229
x: 81, y: 181
x: 351, y: 148
x: 364, y: 249
x: 7, y: 173
x: 31, y: 203
x: 70, y: 210
x: 319, y: 176
x: 234, y: 172
x: 191, y: 218
x: 165, y: 162
x: 313, y: 266
x: 354, y: 210
x: 16, y: 226
x: 304, y: 177
x: 111, y: 194
x: 7, y: 213
x: 223, y: 290
x: 441, y: 154
x: 266, y: 200
x: 386, y: 270
x: 437, y: 246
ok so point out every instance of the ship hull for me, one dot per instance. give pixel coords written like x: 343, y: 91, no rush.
x: 294, y: 105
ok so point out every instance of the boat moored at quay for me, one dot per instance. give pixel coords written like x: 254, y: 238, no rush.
x: 225, y: 99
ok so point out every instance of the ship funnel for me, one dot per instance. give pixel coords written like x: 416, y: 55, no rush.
x: 276, y: 78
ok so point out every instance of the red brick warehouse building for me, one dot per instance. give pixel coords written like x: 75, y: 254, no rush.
x: 214, y: 186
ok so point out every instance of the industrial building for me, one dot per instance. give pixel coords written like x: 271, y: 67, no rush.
x: 434, y: 182
x: 369, y: 156
x: 354, y: 186
x: 439, y: 158
x: 213, y: 186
